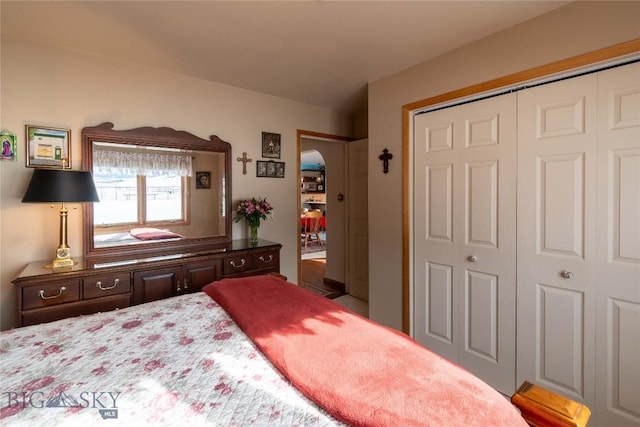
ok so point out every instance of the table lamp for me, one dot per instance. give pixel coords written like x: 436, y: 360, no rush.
x: 61, y: 186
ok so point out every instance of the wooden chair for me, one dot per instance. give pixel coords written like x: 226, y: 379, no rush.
x: 311, y: 228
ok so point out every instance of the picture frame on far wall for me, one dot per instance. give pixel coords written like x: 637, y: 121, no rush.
x: 9, y: 145
x: 270, y: 145
x: 269, y: 169
x: 203, y: 179
x: 48, y: 147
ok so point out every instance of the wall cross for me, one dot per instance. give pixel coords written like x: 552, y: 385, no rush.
x: 244, y: 161
x: 385, y: 157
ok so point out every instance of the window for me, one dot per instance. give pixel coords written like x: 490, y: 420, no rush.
x: 140, y: 186
x: 137, y: 199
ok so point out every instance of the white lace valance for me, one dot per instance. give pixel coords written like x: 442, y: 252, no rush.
x: 137, y: 163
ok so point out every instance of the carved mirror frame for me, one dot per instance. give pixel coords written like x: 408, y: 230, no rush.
x: 162, y: 137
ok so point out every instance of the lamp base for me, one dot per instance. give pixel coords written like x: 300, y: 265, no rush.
x: 63, y: 259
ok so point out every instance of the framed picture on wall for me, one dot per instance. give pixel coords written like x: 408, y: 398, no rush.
x: 271, y: 145
x: 9, y: 145
x: 261, y: 168
x: 48, y: 147
x: 203, y: 179
x: 271, y: 169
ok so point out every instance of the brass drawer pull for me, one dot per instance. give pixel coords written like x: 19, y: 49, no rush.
x: 233, y: 264
x: 102, y: 288
x: 266, y: 260
x: 60, y: 292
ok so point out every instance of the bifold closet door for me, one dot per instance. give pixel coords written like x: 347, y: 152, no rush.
x: 579, y: 241
x: 618, y: 249
x: 464, y: 236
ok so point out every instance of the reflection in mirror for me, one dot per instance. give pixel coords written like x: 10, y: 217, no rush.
x: 161, y: 191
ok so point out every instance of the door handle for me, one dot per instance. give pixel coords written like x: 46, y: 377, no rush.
x: 566, y: 274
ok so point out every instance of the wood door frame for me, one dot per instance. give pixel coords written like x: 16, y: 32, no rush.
x: 301, y: 133
x: 536, y: 73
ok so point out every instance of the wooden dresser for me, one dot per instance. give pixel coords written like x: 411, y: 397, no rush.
x: 45, y: 295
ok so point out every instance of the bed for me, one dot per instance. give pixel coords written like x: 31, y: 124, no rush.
x: 254, y: 351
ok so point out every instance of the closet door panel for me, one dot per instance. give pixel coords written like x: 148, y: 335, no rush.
x: 434, y: 218
x: 618, y: 275
x: 464, y: 253
x: 556, y: 236
x: 487, y: 246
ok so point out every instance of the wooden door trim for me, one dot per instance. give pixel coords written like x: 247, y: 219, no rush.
x: 600, y: 55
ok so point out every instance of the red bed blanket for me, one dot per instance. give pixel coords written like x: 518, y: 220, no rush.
x: 361, y: 372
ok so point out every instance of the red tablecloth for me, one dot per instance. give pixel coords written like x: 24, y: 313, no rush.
x: 323, y: 222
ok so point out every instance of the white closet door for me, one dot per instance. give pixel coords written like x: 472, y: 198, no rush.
x: 618, y: 276
x: 464, y: 222
x: 556, y: 236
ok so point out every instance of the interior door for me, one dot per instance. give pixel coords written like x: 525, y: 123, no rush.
x: 464, y: 241
x: 618, y: 249
x: 358, y: 243
x: 556, y: 236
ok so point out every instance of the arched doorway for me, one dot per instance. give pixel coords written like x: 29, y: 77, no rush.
x: 331, y: 153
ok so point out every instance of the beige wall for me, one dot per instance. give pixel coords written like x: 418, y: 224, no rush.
x: 59, y: 88
x: 574, y: 29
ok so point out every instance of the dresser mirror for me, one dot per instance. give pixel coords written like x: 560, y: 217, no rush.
x: 162, y: 191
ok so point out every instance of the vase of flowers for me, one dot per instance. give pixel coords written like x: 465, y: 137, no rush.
x: 253, y: 210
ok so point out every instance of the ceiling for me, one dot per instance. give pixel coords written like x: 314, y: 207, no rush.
x: 317, y: 52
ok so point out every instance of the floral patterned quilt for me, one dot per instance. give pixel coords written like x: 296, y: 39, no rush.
x: 180, y: 361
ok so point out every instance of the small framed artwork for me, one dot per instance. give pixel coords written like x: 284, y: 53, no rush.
x: 48, y: 147
x: 9, y: 145
x: 261, y: 168
x: 203, y: 179
x: 271, y: 169
x: 271, y: 145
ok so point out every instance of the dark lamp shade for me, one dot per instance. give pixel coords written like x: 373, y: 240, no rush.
x: 60, y: 185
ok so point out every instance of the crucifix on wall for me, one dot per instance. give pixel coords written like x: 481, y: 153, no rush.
x: 244, y: 161
x: 385, y: 157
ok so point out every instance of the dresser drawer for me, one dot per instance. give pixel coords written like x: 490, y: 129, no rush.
x: 101, y: 286
x: 266, y: 259
x: 47, y: 294
x: 237, y: 264
x: 42, y: 315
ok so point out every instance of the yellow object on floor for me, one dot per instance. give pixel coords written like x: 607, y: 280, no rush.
x: 543, y: 408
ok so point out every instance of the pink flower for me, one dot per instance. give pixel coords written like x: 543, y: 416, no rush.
x: 253, y: 210
x: 196, y: 407
x: 222, y: 336
x: 153, y: 365
x: 38, y: 384
x: 51, y: 350
x: 223, y: 388
x: 99, y: 371
x: 223, y: 324
x: 9, y: 411
x: 101, y: 350
x: 94, y: 328
x: 185, y: 340
x: 131, y: 324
